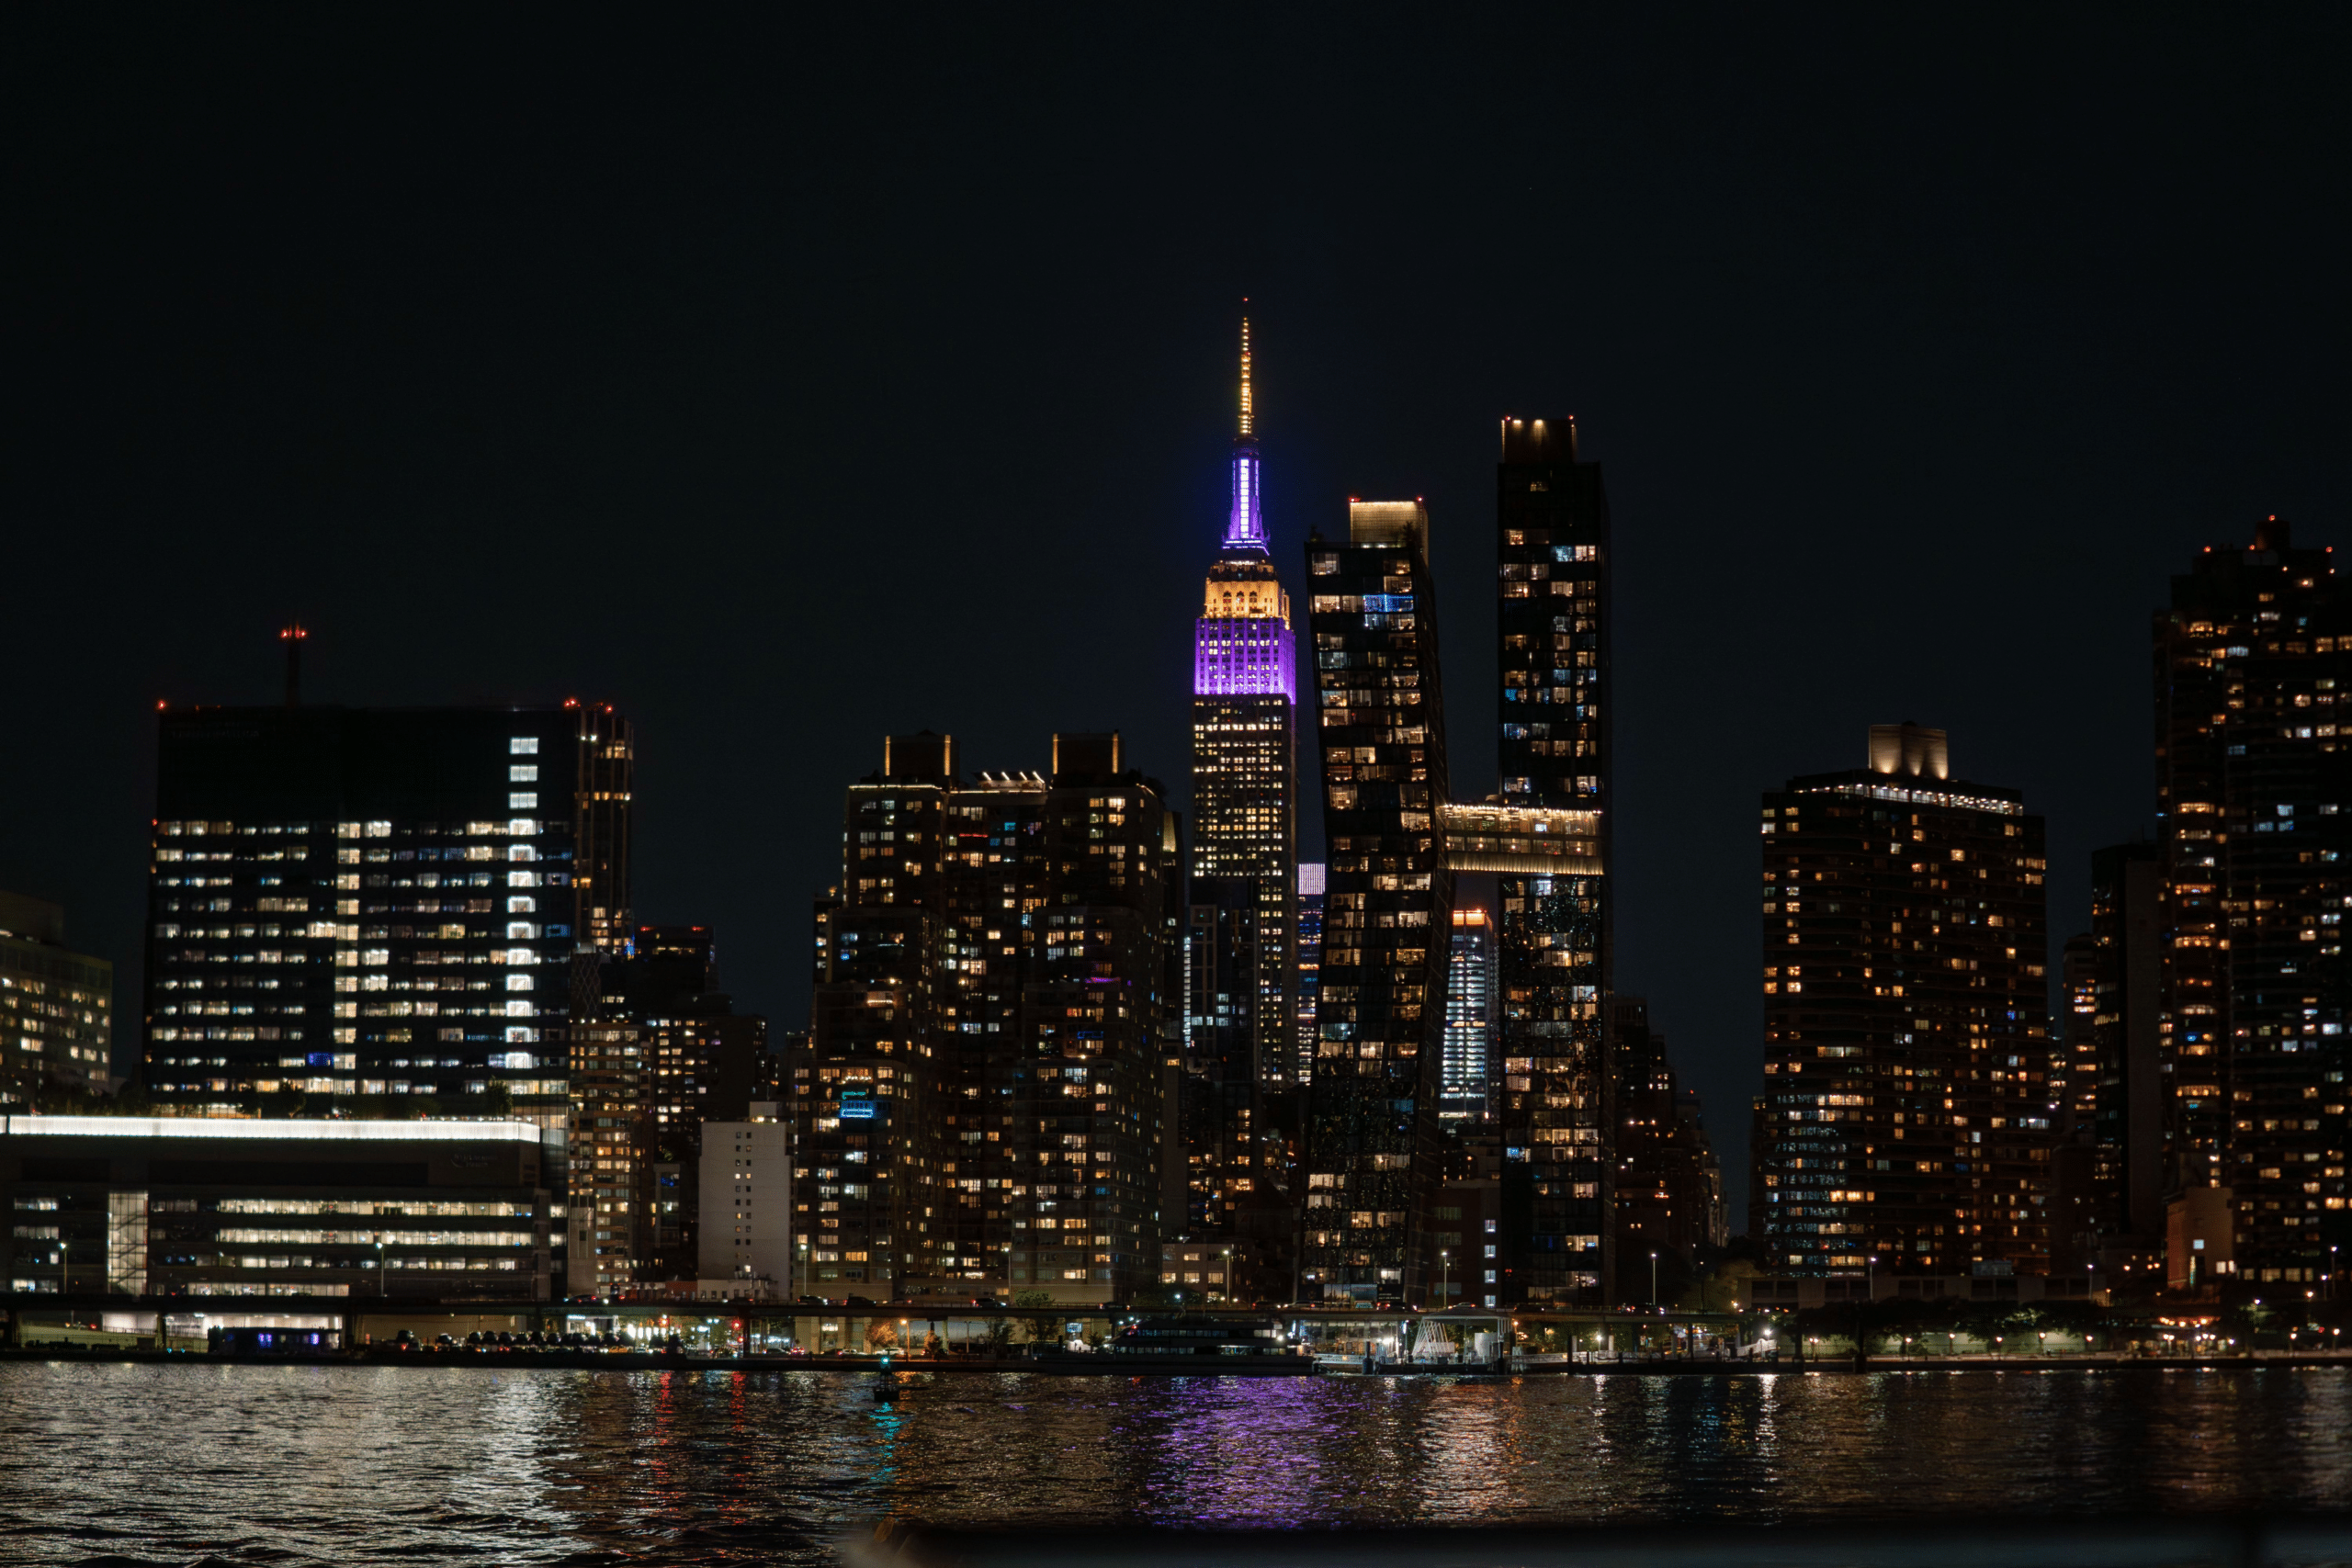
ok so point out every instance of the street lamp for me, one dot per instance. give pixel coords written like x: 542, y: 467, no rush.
x: 1652, y: 1278
x: 1444, y: 1267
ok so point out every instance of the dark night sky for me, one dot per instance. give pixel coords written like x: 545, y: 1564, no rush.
x: 788, y: 384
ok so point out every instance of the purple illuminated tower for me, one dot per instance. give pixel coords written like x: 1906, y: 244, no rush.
x: 1244, y: 798
x: 1241, y: 647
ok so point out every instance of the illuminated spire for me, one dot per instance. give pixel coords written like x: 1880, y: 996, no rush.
x: 1247, y: 428
x: 1245, y: 527
x: 1242, y: 641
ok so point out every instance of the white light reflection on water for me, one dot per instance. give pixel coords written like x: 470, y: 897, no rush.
x: 169, y: 1464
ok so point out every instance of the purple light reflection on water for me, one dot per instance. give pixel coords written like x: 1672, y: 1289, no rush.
x: 555, y: 1465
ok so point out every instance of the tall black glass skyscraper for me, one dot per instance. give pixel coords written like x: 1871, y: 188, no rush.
x: 1554, y: 1103
x: 1372, y: 1135
x: 2254, y: 796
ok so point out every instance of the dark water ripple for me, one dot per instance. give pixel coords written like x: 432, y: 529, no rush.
x: 165, y: 1466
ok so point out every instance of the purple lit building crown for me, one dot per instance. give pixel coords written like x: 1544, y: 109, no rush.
x: 1242, y: 644
x: 1243, y: 658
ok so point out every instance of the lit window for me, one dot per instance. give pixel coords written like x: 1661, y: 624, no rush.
x: 524, y: 746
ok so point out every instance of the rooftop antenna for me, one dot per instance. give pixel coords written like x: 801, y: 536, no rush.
x: 292, y: 635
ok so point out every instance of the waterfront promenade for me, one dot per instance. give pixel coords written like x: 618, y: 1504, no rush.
x: 1121, y: 1365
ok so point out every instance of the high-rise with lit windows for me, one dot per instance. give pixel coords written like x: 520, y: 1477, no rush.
x: 2254, y: 794
x: 1372, y: 1138
x: 666, y: 1052
x: 1244, y: 736
x: 1906, y: 1122
x: 380, y: 911
x: 981, y: 1105
x: 1554, y: 930
x: 56, y: 1007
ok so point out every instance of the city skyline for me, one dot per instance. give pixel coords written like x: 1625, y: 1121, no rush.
x: 839, y: 785
x: 1995, y: 367
x: 1462, y: 689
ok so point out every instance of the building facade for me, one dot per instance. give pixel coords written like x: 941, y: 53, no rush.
x: 195, y: 1206
x: 745, y: 1237
x: 1221, y: 1096
x: 1310, y: 962
x: 1472, y: 1010
x: 1373, y: 1145
x: 1906, y: 1122
x: 1554, y: 755
x: 2254, y: 796
x: 56, y: 1007
x: 379, y: 911
x: 609, y: 1198
x: 660, y: 1053
x: 982, y: 1104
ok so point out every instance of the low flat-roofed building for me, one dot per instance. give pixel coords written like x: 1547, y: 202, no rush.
x: 1200, y: 1270
x: 1769, y: 1293
x: 196, y: 1206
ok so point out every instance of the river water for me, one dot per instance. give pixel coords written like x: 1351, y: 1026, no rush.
x: 120, y: 1464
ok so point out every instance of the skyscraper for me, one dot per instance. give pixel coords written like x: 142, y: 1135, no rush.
x: 610, y: 1213
x: 2254, y: 793
x: 1554, y: 623
x: 1244, y: 795
x: 981, y: 1103
x: 1905, y: 1019
x: 1372, y: 1141
x: 364, y: 911
x: 1473, y: 1006
x: 665, y: 1053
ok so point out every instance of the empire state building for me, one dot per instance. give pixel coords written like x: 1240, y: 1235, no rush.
x: 1244, y: 795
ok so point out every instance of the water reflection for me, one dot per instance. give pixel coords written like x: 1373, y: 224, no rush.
x: 169, y: 1464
